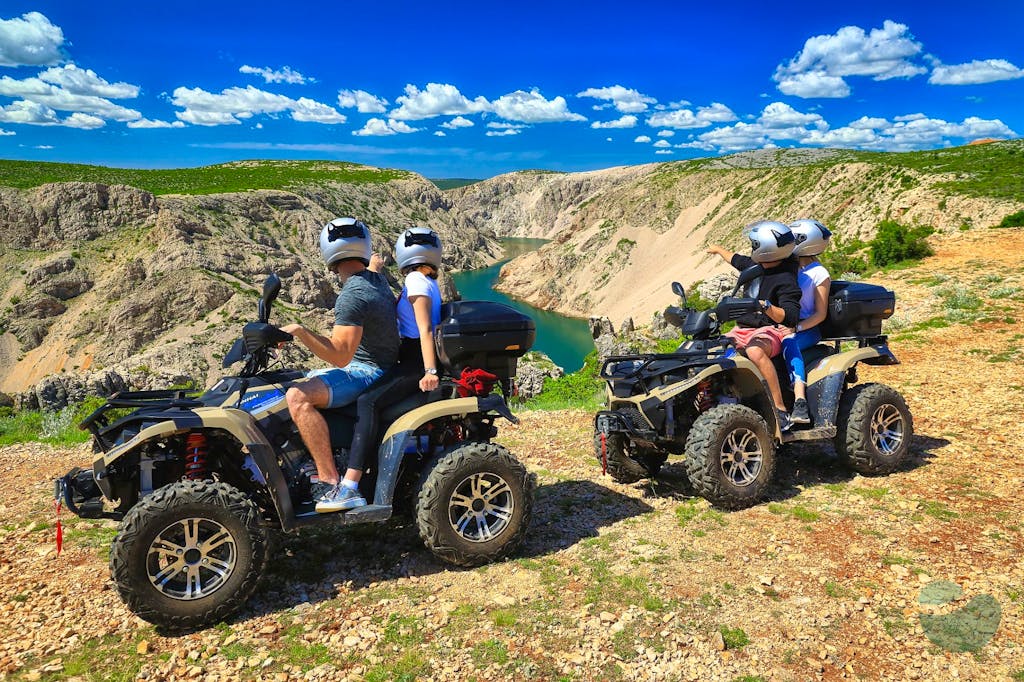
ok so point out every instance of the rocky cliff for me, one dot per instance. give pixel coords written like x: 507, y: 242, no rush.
x: 620, y: 236
x: 99, y: 277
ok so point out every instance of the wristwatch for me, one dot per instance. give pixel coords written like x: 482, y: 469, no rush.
x: 431, y: 370
x: 765, y: 305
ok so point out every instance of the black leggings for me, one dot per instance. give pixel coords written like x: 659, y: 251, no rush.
x: 399, y: 382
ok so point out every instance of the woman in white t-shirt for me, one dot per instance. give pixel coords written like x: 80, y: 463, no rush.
x: 811, y: 241
x: 418, y: 252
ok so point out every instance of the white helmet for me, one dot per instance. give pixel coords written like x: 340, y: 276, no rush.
x: 345, y: 238
x: 811, y: 237
x: 418, y: 246
x: 769, y: 240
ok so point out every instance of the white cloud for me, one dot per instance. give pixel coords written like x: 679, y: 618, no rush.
x: 501, y: 125
x: 819, y: 68
x: 909, y: 117
x: 663, y: 144
x: 458, y: 122
x: 975, y: 72
x: 311, y: 111
x: 910, y: 133
x: 780, y: 115
x: 43, y: 146
x: 626, y: 100
x: 378, y: 127
x: 233, y: 104
x: 664, y: 151
x: 4, y: 133
x: 502, y: 133
x: 642, y: 139
x: 34, y: 113
x: 685, y: 118
x: 532, y: 107
x: 85, y: 82
x: 30, y: 41
x: 439, y: 133
x: 364, y: 102
x: 628, y: 121
x: 147, y: 123
x: 438, y: 99
x: 55, y: 97
x: 283, y: 75
x: 666, y: 133
x: 813, y: 84
x: 607, y: 139
x: 84, y: 121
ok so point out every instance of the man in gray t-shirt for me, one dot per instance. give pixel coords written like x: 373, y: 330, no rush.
x: 362, y: 345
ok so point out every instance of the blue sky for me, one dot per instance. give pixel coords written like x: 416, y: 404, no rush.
x: 474, y: 89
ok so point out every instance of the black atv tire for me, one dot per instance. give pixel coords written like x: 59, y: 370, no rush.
x: 141, y: 550
x: 450, y: 492
x: 624, y: 466
x: 741, y: 430
x: 874, y: 428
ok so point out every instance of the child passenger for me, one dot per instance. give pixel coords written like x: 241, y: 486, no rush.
x: 759, y: 334
x: 811, y: 241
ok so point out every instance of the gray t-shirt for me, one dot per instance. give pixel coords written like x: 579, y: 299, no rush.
x: 366, y: 301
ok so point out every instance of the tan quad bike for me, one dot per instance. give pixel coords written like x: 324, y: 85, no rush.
x: 200, y: 483
x: 712, y: 405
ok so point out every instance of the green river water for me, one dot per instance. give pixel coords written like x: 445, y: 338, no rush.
x: 566, y: 340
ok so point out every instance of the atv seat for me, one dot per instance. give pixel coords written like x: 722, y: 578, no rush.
x: 341, y: 420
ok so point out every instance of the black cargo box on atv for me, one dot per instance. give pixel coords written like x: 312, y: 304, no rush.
x: 856, y: 309
x: 484, y: 335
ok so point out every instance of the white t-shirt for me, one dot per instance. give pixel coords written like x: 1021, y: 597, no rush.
x: 417, y: 284
x: 809, y: 277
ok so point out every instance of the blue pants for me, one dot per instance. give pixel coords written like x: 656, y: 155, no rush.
x: 792, y: 347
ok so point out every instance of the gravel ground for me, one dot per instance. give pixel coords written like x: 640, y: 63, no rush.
x: 640, y: 581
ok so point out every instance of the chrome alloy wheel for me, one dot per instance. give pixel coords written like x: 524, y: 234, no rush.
x: 887, y: 429
x: 191, y: 559
x: 741, y: 457
x: 481, y: 507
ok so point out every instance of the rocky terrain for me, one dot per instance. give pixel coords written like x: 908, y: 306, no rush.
x: 619, y: 236
x: 104, y: 283
x: 825, y: 581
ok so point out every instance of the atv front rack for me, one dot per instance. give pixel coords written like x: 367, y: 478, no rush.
x: 97, y: 424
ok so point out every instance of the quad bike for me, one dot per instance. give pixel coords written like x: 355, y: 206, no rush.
x: 713, y: 406
x: 200, y: 483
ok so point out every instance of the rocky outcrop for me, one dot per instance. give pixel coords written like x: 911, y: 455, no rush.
x: 531, y: 371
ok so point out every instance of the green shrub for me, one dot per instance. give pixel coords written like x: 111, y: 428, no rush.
x: 894, y: 243
x: 1013, y: 220
x: 844, y: 256
x: 582, y: 388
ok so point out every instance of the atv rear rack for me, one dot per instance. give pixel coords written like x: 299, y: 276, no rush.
x: 96, y: 423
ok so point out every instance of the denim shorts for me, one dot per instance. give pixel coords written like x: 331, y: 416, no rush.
x: 344, y: 384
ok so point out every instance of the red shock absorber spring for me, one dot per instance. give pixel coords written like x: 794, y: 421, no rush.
x: 195, y: 457
x: 705, y: 399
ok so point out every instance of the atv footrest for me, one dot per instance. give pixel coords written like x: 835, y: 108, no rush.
x: 817, y: 433
x: 365, y: 514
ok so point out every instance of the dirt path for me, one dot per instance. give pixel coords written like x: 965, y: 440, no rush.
x: 618, y: 581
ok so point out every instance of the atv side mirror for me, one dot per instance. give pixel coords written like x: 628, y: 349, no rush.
x: 748, y: 276
x: 679, y: 291
x: 271, y: 288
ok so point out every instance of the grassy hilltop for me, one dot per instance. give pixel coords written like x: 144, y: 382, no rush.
x: 236, y: 176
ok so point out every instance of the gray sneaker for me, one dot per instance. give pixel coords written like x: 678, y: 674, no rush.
x: 332, y: 498
x: 785, y: 424
x: 800, y: 413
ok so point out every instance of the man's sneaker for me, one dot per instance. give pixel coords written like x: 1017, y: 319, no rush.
x: 332, y: 498
x: 785, y: 423
x: 800, y: 414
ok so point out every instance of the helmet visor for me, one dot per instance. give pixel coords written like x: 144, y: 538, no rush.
x: 336, y: 232
x: 421, y: 239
